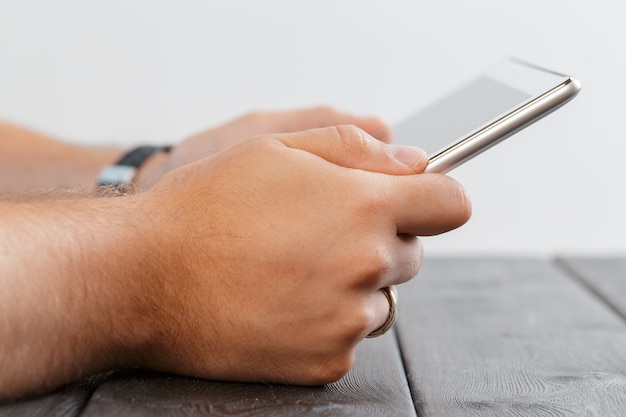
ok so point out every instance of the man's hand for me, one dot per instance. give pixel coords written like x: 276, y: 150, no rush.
x: 212, y: 141
x: 31, y: 161
x: 262, y: 262
x: 274, y: 253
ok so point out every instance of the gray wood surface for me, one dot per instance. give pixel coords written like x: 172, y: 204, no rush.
x: 510, y: 338
x: 477, y: 337
x: 376, y: 386
x: 66, y: 402
x: 605, y: 277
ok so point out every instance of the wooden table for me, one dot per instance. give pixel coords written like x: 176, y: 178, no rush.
x: 475, y: 337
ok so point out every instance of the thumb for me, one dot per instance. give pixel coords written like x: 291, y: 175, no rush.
x: 351, y: 147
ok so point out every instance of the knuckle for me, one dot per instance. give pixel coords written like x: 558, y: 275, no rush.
x: 387, y: 263
x: 260, y: 145
x: 376, y: 264
x: 360, y: 321
x: 381, y: 263
x: 353, y: 141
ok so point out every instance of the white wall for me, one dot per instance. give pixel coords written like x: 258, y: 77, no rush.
x: 126, y: 71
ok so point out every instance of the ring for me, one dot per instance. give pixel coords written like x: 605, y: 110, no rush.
x: 392, y: 296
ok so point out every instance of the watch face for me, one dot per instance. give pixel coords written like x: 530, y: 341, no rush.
x: 117, y: 175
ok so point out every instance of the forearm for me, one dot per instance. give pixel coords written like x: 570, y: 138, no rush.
x: 31, y: 162
x: 71, y: 295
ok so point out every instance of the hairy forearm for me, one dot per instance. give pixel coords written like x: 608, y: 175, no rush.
x: 71, y: 300
x: 31, y: 161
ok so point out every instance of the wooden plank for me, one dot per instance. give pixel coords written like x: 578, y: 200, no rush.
x: 494, y: 337
x: 606, y: 277
x: 376, y: 386
x: 66, y: 402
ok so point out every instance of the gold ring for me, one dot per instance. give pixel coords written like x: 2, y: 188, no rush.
x: 392, y: 296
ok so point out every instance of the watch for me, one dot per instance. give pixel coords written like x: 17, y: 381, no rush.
x: 124, y: 170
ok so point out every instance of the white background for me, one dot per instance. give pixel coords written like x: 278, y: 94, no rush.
x: 133, y: 71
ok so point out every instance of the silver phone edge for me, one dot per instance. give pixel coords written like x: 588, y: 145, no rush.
x: 504, y: 127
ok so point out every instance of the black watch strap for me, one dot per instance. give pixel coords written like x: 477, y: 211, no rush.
x: 123, y: 172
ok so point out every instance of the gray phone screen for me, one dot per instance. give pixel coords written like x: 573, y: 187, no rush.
x: 458, y: 114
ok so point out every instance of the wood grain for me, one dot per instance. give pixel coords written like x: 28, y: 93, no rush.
x: 479, y: 337
x: 376, y: 386
x: 605, y: 276
x: 66, y: 402
x: 494, y: 337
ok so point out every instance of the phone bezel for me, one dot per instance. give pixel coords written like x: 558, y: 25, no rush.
x: 508, y: 123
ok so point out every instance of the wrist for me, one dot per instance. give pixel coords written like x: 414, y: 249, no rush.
x: 145, y: 263
x: 145, y: 316
x: 151, y: 170
x: 124, y: 271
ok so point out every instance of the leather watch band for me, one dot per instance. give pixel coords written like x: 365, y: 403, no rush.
x: 123, y: 172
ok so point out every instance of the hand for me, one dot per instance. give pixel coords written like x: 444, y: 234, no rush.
x: 270, y: 255
x: 212, y: 141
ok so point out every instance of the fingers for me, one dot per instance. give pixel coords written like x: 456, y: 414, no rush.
x: 389, y: 312
x: 399, y: 261
x: 428, y: 204
x: 408, y: 261
x: 422, y: 205
x: 403, y: 261
x: 327, y: 116
x: 351, y: 147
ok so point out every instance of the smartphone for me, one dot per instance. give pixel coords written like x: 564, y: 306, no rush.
x: 484, y: 112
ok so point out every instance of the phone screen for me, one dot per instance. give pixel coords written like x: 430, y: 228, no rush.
x: 462, y: 124
x: 458, y: 114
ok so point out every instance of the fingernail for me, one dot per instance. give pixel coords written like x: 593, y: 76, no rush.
x: 408, y: 155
